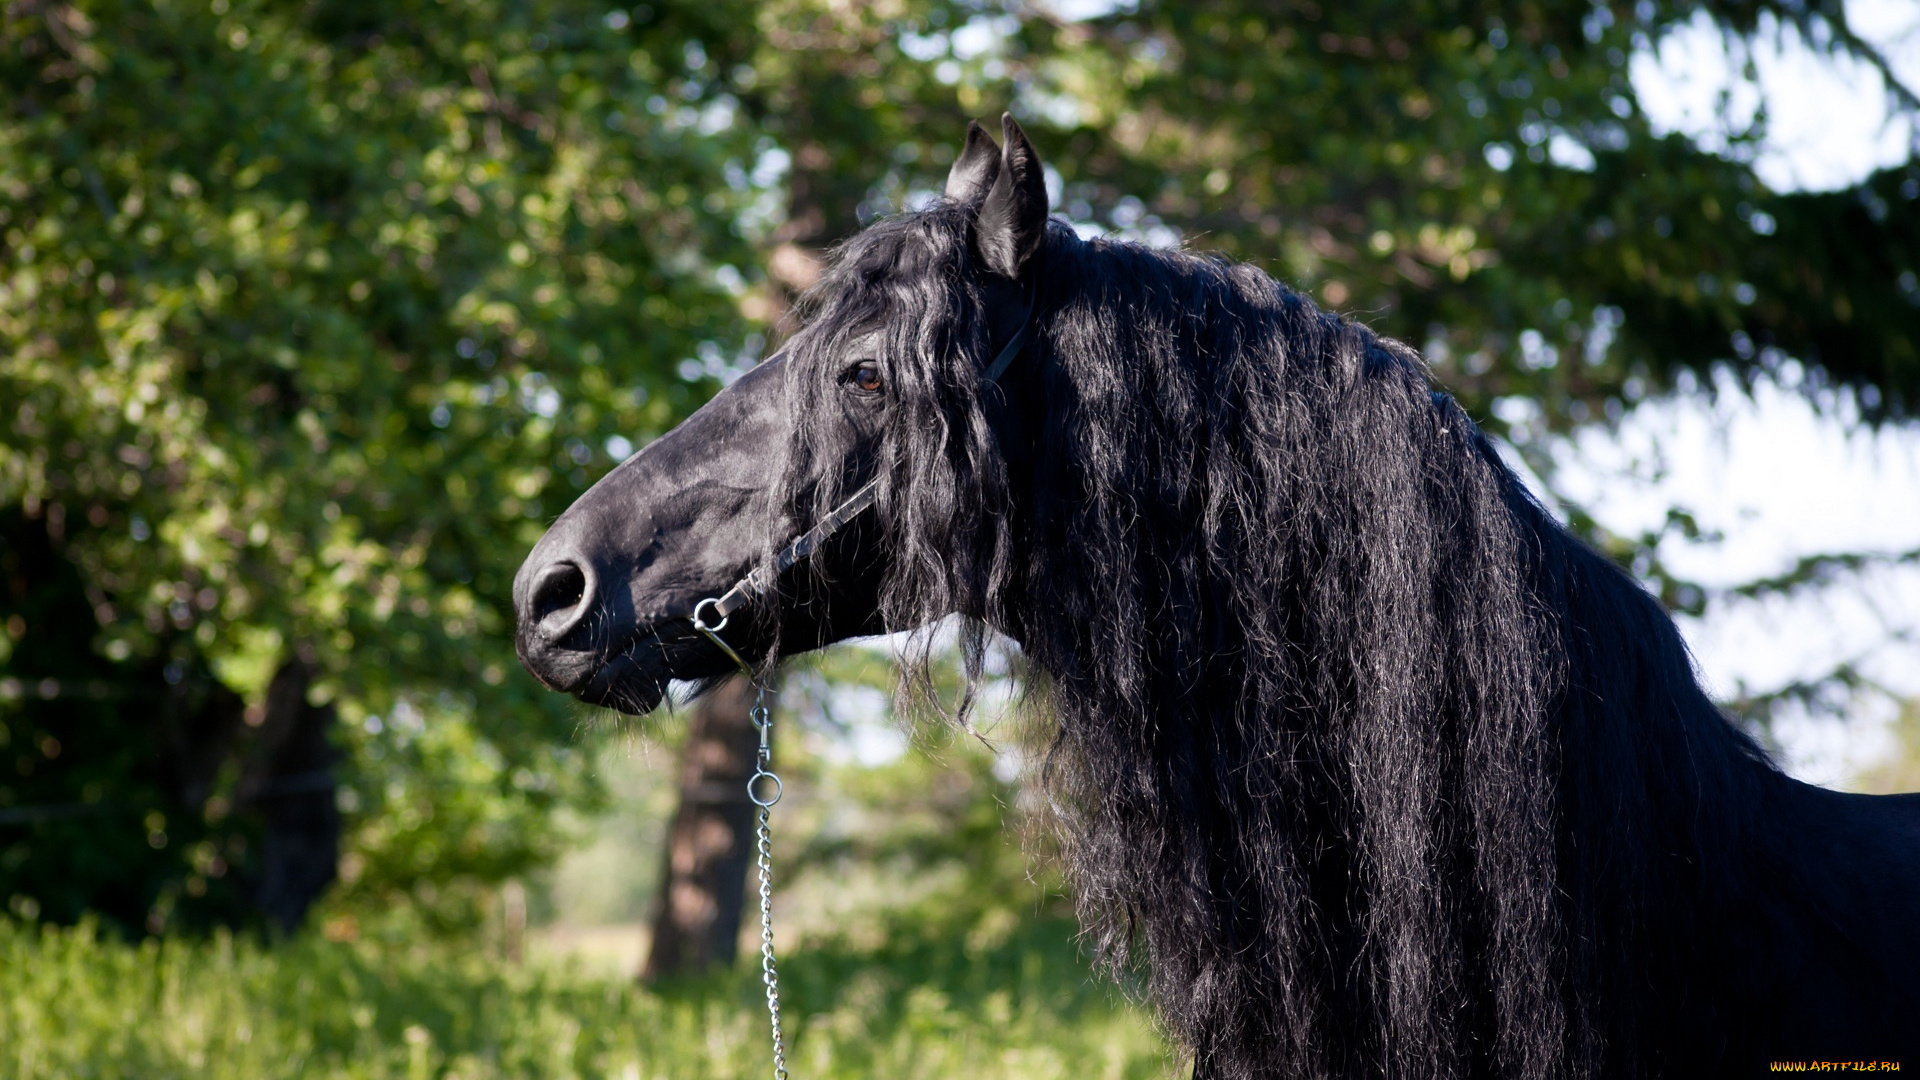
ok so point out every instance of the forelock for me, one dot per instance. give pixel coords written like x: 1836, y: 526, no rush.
x: 891, y: 268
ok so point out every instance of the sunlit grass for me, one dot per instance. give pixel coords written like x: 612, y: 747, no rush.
x: 1014, y: 1003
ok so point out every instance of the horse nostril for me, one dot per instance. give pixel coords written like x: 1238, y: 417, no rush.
x: 557, y: 598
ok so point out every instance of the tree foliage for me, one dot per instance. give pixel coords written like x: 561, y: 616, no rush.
x: 1477, y: 178
x: 312, y: 314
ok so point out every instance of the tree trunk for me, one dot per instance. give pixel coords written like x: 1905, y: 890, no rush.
x: 288, y: 774
x: 696, y: 924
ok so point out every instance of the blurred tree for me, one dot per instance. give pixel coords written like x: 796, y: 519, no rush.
x: 710, y: 843
x: 1480, y: 179
x: 310, y: 315
x: 1901, y: 772
x: 941, y: 837
x: 103, y: 803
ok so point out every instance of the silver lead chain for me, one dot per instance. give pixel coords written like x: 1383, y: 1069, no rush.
x: 764, y: 780
x: 764, y: 776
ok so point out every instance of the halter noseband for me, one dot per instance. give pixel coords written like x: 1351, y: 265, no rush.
x: 757, y: 583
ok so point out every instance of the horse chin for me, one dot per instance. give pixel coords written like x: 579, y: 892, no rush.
x: 634, y: 676
x: 625, y: 684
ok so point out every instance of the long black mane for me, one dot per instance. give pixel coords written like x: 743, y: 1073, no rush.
x: 1377, y: 768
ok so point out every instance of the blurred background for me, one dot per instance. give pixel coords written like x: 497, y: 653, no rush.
x: 312, y: 315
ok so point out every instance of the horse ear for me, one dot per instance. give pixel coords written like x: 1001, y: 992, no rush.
x: 975, y: 168
x: 1013, y: 220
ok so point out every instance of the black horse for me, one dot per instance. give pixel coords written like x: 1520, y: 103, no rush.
x: 1374, y: 768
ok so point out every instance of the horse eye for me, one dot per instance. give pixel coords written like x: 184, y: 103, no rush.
x: 865, y: 377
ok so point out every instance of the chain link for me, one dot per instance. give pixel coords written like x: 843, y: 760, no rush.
x: 763, y: 776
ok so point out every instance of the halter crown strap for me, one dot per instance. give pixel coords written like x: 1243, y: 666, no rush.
x: 1005, y: 360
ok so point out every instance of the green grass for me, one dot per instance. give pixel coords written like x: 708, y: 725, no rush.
x: 1001, y: 1001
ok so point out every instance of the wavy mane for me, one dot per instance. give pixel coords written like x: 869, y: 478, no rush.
x: 1372, y: 764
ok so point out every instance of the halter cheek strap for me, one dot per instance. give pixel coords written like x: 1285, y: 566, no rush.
x: 758, y: 582
x: 755, y: 585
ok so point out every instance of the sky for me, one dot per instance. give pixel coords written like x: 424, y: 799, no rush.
x: 1827, y: 122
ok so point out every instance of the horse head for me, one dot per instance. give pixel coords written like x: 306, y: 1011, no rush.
x: 900, y: 326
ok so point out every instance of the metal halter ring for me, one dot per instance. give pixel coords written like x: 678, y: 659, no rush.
x: 700, y: 624
x: 712, y: 633
x: 753, y: 789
